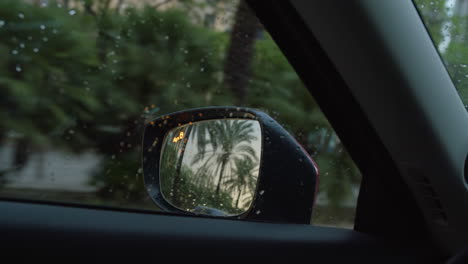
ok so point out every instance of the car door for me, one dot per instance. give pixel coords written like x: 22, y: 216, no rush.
x: 149, y: 61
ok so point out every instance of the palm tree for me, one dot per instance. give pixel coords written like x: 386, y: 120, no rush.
x: 229, y: 140
x: 244, y: 178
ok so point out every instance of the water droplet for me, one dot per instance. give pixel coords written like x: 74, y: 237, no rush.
x: 72, y: 12
x: 113, y: 157
x: 188, y: 85
x: 18, y: 68
x: 21, y: 15
x: 230, y: 114
x: 257, y: 212
x: 71, y: 131
x: 262, y: 192
x: 44, y: 4
x: 122, y: 143
x: 300, y: 160
x: 129, y: 145
x: 22, y: 45
x: 202, y: 69
x: 129, y: 134
x: 2, y: 23
x: 42, y: 27
x: 110, y: 190
x: 55, y: 31
x: 140, y: 170
x: 36, y: 50
x: 45, y: 39
x: 463, y: 65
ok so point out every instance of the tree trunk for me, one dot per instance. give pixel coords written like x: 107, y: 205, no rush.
x: 21, y: 153
x: 237, y: 67
x: 238, y: 198
x: 178, y: 174
x: 221, y: 172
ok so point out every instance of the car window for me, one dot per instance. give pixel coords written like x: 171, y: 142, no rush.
x: 446, y: 21
x: 79, y: 77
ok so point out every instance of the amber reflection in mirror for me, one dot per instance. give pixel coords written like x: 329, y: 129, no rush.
x: 211, y: 167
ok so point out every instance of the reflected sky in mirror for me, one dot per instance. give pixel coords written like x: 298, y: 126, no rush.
x: 211, y: 167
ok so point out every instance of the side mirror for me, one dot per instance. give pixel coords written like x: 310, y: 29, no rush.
x: 228, y: 162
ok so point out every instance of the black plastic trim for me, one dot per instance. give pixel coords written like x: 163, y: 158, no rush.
x: 33, y: 229
x: 287, y: 179
x: 384, y: 196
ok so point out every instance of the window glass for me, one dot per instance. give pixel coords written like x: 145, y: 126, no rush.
x: 447, y: 22
x: 79, y: 77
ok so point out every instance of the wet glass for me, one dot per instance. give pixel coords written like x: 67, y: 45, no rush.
x: 447, y: 21
x: 79, y: 79
x: 211, y: 167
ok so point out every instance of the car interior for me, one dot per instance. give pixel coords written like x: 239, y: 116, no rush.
x: 385, y: 90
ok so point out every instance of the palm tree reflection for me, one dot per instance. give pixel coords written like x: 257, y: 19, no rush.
x: 217, y: 165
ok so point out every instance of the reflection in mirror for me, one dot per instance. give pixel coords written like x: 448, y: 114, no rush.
x: 211, y: 167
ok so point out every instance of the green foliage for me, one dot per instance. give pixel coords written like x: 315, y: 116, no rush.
x: 87, y: 82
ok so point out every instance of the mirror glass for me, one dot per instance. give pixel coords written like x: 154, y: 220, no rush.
x: 211, y: 167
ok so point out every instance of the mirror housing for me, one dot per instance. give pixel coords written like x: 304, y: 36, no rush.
x: 287, y: 178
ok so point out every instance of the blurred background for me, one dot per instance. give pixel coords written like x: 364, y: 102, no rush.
x: 78, y: 78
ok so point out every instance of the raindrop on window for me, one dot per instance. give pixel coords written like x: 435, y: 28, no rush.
x: 14, y: 52
x: 21, y: 15
x: 463, y: 65
x: 71, y: 131
x: 18, y: 68
x: 202, y: 69
x: 113, y: 157
x: 122, y: 143
x: 22, y: 45
x: 257, y: 212
x: 45, y: 39
x: 36, y: 50
x: 166, y: 37
x: 262, y: 192
x: 72, y: 12
x: 2, y: 23
x: 42, y: 27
